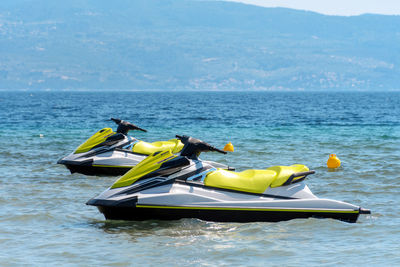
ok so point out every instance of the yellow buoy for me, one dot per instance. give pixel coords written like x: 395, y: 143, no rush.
x: 333, y: 162
x: 229, y: 147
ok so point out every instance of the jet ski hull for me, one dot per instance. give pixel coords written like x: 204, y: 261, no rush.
x: 219, y: 215
x: 109, y: 162
x: 219, y: 205
x: 96, y: 170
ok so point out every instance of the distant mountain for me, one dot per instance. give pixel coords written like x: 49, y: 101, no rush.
x: 192, y: 45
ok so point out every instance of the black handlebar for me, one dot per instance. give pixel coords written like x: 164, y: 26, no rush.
x: 117, y: 121
x: 193, y: 147
x: 124, y: 127
x: 219, y: 150
x: 140, y: 129
x: 180, y: 137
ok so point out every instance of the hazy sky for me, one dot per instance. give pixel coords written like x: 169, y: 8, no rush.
x: 334, y: 7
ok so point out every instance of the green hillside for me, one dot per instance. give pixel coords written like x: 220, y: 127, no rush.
x: 192, y: 45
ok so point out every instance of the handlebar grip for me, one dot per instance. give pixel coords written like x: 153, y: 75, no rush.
x: 140, y: 129
x: 219, y: 150
x: 117, y: 121
x: 198, y: 145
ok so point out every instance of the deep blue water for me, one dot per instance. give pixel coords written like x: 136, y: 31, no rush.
x: 44, y: 219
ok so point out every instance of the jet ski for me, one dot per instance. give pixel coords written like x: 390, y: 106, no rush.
x: 166, y: 186
x: 114, y: 153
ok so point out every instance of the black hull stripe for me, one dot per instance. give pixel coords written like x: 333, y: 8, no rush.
x: 93, y: 170
x: 218, y: 215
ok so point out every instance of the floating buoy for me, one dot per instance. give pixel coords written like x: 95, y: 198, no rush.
x: 333, y: 161
x: 229, y: 147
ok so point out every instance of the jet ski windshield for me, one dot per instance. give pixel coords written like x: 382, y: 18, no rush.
x: 193, y: 147
x: 112, y: 140
x: 163, y: 164
x: 107, y: 137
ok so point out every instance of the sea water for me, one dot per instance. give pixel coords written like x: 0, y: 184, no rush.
x: 44, y: 220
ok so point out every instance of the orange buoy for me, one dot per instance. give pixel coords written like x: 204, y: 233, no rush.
x: 229, y: 147
x: 333, y: 161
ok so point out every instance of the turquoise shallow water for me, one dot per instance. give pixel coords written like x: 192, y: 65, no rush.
x: 44, y: 219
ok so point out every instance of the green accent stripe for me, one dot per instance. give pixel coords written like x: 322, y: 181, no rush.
x: 244, y: 209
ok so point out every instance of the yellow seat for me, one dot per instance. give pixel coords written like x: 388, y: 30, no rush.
x: 175, y: 145
x: 253, y: 181
x: 284, y: 172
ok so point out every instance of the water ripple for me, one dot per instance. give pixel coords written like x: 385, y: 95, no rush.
x: 43, y: 216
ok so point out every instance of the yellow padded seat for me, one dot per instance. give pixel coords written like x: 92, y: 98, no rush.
x: 284, y: 172
x: 175, y: 145
x: 253, y: 181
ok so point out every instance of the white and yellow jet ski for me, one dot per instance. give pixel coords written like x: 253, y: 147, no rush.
x: 114, y: 153
x: 166, y: 186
